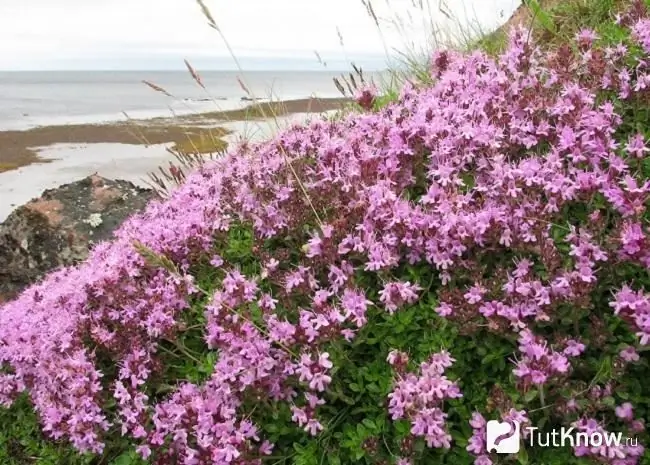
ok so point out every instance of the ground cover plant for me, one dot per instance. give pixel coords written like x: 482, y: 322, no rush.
x: 370, y: 289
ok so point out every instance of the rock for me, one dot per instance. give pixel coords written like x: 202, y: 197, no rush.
x: 61, y: 226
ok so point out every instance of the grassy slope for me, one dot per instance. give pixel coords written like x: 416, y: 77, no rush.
x: 553, y: 22
x: 20, y: 439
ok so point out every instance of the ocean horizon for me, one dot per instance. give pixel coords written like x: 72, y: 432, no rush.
x: 42, y: 98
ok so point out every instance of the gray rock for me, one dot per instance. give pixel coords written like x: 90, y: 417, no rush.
x: 61, y: 226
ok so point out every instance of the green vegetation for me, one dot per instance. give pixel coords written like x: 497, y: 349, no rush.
x: 357, y: 425
x: 554, y: 22
x: 206, y: 142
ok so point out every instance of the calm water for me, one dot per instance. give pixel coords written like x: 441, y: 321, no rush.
x: 29, y: 99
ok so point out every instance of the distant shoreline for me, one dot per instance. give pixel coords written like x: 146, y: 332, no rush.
x: 17, y: 147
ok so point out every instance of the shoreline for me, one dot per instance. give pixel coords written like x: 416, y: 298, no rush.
x: 63, y: 163
x: 20, y: 148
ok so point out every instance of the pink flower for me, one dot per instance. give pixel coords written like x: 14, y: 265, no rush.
x: 397, y: 294
x: 457, y: 193
x: 266, y: 448
x: 144, y: 452
x: 444, y: 309
x: 419, y: 399
x: 573, y: 348
x: 636, y: 146
x: 474, y: 295
x: 395, y: 358
x: 366, y: 96
x: 625, y: 411
x: 313, y: 427
x: 586, y: 37
x: 629, y: 354
x: 323, y: 361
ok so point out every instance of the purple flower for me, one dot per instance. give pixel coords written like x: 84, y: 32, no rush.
x: 573, y: 348
x: 468, y: 180
x: 394, y: 295
x: 419, y: 399
x: 629, y: 354
x: 625, y: 411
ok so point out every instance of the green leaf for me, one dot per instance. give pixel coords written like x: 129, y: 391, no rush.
x: 522, y: 457
x: 402, y: 427
x: 124, y: 459
x: 459, y: 438
x: 369, y: 423
x: 333, y: 459
x: 530, y: 395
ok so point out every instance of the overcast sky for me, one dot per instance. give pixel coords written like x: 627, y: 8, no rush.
x: 158, y: 34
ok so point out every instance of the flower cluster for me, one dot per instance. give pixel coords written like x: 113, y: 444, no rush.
x: 419, y: 398
x: 505, y: 177
x: 634, y: 307
x: 366, y: 96
x: 627, y: 451
x: 539, y: 362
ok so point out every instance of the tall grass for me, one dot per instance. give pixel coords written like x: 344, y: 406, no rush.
x: 408, y: 61
x: 440, y: 27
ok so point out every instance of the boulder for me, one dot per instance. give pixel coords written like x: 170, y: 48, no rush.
x: 61, y: 226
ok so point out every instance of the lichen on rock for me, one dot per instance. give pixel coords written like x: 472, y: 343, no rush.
x: 61, y: 226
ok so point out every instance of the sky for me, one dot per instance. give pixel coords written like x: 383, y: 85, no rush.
x: 159, y: 34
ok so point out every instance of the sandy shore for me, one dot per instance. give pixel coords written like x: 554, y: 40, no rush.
x: 65, y: 162
x: 19, y: 148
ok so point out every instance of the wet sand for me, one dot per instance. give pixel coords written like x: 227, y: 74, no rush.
x: 62, y: 163
x: 20, y: 148
x: 65, y: 163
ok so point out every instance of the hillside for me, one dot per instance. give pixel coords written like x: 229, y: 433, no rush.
x: 373, y: 288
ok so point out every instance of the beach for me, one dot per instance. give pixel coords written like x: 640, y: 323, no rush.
x: 42, y: 158
x: 17, y: 146
x: 58, y: 127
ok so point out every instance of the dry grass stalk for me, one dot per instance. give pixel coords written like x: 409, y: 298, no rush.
x: 246, y: 88
x: 194, y: 74
x: 338, y: 32
x: 351, y: 86
x: 320, y: 59
x: 208, y: 15
x: 175, y: 174
x: 157, y: 88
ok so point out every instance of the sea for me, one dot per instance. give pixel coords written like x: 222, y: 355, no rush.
x: 44, y: 98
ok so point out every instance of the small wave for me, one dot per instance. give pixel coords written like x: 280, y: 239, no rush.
x: 206, y: 99
x: 26, y: 122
